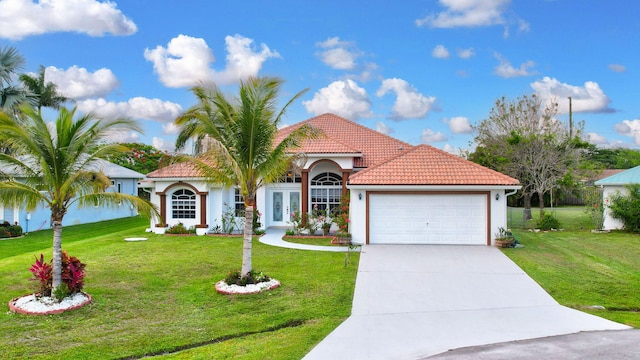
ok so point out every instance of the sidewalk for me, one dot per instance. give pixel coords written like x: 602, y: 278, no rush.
x: 273, y: 237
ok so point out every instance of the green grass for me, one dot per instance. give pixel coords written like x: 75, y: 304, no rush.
x: 571, y: 218
x: 157, y: 296
x: 580, y: 269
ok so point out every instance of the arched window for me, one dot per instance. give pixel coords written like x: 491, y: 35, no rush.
x: 326, y: 189
x: 183, y: 204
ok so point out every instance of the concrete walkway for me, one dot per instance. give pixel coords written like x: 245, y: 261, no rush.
x: 411, y: 302
x: 273, y: 236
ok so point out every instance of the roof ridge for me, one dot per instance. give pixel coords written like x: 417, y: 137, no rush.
x: 468, y: 161
x: 375, y: 166
x: 361, y: 126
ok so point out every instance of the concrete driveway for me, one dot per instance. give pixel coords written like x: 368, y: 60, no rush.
x: 415, y: 301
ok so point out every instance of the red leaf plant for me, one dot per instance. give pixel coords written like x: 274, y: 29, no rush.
x: 41, y: 271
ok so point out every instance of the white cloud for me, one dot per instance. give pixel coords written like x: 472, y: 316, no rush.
x: 597, y: 139
x: 617, y: 68
x: 338, y: 54
x: 333, y: 42
x: 466, y: 53
x: 440, y: 52
x: 630, y: 128
x: 383, y: 128
x: 22, y: 18
x: 163, y: 144
x: 344, y: 98
x: 506, y: 70
x: 589, y: 98
x: 137, y: 108
x: 459, y: 125
x: 429, y: 136
x: 450, y: 149
x: 409, y: 104
x: 185, y: 61
x: 170, y: 128
x: 124, y: 137
x: 78, y: 83
x: 466, y: 13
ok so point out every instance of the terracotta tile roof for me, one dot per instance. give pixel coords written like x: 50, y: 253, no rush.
x: 346, y: 136
x: 179, y: 170
x: 426, y: 165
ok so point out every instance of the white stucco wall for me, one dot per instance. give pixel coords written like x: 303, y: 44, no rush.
x: 608, y: 191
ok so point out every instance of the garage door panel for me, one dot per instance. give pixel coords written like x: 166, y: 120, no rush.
x: 428, y: 219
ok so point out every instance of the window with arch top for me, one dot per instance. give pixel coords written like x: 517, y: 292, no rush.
x: 326, y: 190
x: 183, y: 204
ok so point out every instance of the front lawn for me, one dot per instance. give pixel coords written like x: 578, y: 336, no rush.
x: 157, y: 296
x: 581, y: 269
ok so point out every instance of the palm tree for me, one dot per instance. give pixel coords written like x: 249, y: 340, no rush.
x: 41, y: 93
x: 11, y: 63
x: 240, y: 135
x: 56, y: 165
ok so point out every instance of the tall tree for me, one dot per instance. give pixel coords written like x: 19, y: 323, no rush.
x: 11, y: 63
x: 139, y: 157
x: 41, y: 93
x: 55, y: 167
x: 240, y: 134
x: 523, y: 139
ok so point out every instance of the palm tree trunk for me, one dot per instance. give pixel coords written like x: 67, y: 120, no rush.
x: 246, y: 244
x: 57, y: 254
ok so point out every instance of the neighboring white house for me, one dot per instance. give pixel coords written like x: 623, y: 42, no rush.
x: 612, y: 185
x: 400, y: 193
x: 123, y: 180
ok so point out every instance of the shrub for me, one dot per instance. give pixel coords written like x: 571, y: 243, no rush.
x: 341, y: 217
x: 15, y: 230
x: 72, y: 276
x: 296, y: 222
x: 4, y: 233
x: 61, y: 292
x: 595, y: 209
x: 289, y: 232
x: 72, y: 273
x: 41, y: 271
x: 179, y: 228
x: 548, y: 222
x: 626, y: 208
x: 231, y: 222
x: 252, y: 277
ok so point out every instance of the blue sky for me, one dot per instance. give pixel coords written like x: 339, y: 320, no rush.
x: 421, y: 71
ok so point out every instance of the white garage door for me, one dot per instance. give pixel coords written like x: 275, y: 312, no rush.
x: 428, y: 219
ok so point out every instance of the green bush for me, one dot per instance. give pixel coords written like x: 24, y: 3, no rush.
x: 4, y: 233
x: 15, y: 230
x: 626, y: 208
x: 252, y: 277
x: 548, y: 222
x: 179, y: 228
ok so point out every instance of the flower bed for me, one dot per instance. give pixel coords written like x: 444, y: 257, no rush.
x: 45, y: 305
x: 223, y: 288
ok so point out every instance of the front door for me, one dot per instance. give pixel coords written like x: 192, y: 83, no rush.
x: 283, y: 204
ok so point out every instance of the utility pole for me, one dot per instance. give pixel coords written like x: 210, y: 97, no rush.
x: 570, y: 119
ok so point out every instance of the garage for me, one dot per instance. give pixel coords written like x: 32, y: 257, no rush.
x: 428, y: 218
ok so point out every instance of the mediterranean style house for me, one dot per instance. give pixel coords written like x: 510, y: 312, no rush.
x: 400, y: 193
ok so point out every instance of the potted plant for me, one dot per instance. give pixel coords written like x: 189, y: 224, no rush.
x: 504, y: 238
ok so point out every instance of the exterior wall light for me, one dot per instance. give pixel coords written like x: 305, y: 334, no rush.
x: 359, y: 196
x: 497, y: 196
